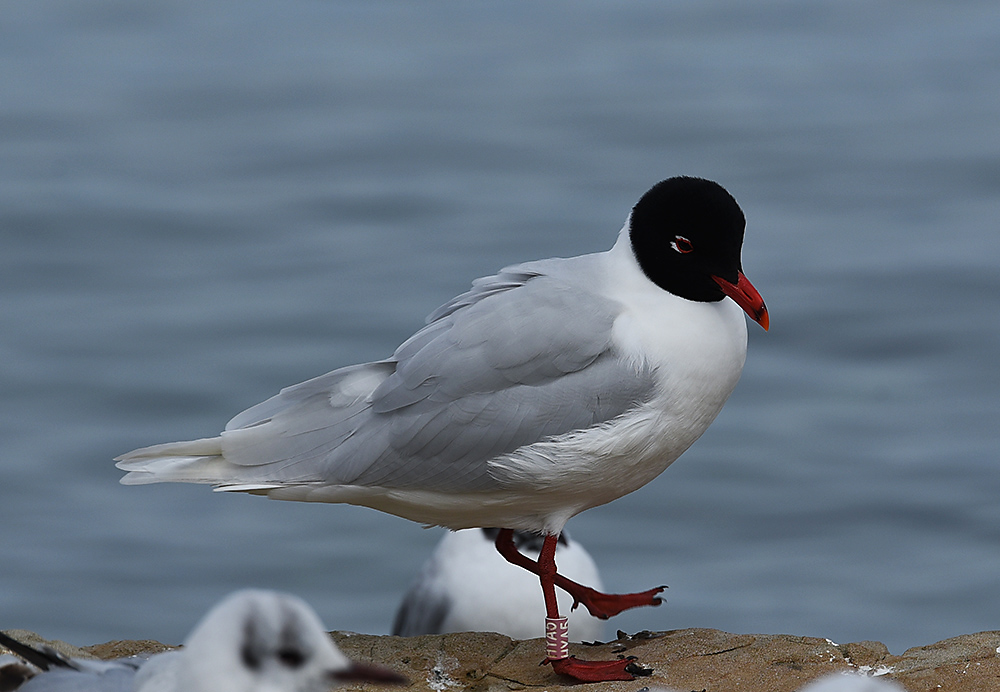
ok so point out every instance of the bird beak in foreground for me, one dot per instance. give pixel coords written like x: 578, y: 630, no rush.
x: 746, y: 297
x: 367, y: 672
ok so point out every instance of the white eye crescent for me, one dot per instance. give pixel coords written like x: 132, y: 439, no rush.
x: 681, y: 244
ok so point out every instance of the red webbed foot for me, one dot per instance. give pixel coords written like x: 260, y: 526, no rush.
x: 598, y: 671
x: 606, y: 605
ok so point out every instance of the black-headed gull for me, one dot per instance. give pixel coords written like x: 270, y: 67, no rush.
x: 549, y: 388
x: 252, y: 641
x: 465, y: 586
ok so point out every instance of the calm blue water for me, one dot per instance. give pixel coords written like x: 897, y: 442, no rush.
x: 202, y: 202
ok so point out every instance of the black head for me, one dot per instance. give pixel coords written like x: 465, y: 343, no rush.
x: 684, y: 231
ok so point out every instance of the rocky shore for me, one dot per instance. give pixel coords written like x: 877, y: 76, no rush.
x: 683, y: 660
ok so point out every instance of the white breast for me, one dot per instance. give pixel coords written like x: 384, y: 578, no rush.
x: 696, y: 351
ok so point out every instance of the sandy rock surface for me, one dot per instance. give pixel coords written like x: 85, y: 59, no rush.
x: 683, y: 660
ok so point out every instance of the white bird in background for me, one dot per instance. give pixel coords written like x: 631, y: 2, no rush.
x: 253, y: 641
x: 550, y: 388
x: 465, y: 586
x: 852, y: 682
x: 844, y: 681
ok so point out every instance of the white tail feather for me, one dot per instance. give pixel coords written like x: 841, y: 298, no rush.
x: 192, y: 461
x: 206, y: 446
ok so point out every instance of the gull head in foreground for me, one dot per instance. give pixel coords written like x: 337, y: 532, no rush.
x: 253, y: 641
x: 547, y: 389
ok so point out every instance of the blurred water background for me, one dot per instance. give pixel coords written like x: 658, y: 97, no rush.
x: 202, y: 202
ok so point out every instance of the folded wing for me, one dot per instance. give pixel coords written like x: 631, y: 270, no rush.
x: 522, y: 356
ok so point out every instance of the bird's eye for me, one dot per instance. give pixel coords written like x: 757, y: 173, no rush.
x: 681, y: 244
x: 291, y: 657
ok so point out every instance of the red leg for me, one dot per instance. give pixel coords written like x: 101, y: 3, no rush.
x: 600, y: 605
x: 547, y: 574
x: 556, y: 634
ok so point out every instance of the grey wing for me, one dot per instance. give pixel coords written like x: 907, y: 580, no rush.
x: 62, y: 674
x: 497, y: 370
x: 521, y: 357
x: 111, y: 678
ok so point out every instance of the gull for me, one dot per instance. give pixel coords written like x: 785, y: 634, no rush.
x: 465, y: 586
x: 549, y: 388
x: 253, y: 641
x: 845, y: 681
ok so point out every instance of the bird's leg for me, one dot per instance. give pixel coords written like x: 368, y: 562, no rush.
x: 556, y: 626
x: 600, y: 605
x: 557, y: 632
